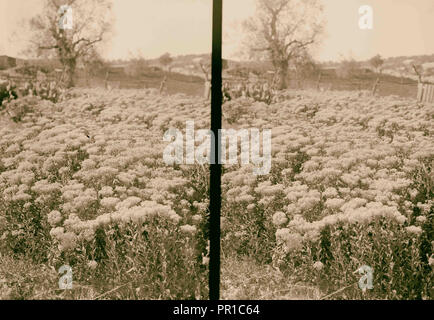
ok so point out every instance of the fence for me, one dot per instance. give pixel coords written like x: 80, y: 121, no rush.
x: 425, y: 92
x: 386, y: 86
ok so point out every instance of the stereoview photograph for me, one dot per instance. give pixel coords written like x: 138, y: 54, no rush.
x: 326, y: 149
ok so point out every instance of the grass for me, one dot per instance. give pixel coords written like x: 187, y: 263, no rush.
x: 243, y: 278
x: 388, y: 85
x: 176, y: 83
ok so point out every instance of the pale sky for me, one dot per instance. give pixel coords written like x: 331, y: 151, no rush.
x: 152, y: 27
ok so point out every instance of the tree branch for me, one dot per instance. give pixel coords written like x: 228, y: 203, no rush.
x: 89, y: 42
x: 300, y: 46
x: 417, y: 72
x: 48, y: 47
x: 204, y: 71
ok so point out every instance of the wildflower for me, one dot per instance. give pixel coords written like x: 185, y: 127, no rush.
x: 267, y: 189
x: 247, y: 198
x: 223, y: 223
x: 196, y: 218
x: 292, y: 241
x: 413, y: 193
x: 103, y: 219
x: 312, y: 235
x: 174, y: 217
x: 318, y: 265
x: 424, y: 207
x: 414, y: 230
x: 279, y: 218
x: 334, y: 203
x: 106, y: 191
x: 353, y: 204
x: 68, y: 241
x: 21, y: 196
x: 92, y: 264
x: 330, y: 192
x: 188, y: 229
x: 251, y: 207
x: 120, y: 189
x: 128, y: 203
x: 401, y: 219
x: 63, y: 170
x: 88, y: 234
x: 56, y: 232
x: 421, y: 219
x: 110, y: 202
x: 54, y: 217
x: 27, y: 177
x: 190, y: 192
x: 88, y: 164
x: 350, y: 179
x: 308, y: 202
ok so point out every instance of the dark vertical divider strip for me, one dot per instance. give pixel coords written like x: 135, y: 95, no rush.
x: 215, y: 168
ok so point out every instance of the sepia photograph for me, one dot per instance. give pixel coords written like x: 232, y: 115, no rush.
x: 226, y: 150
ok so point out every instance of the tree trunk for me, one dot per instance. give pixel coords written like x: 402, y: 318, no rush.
x: 374, y: 88
x: 207, y: 91
x: 282, y: 74
x: 318, y: 81
x: 70, y: 73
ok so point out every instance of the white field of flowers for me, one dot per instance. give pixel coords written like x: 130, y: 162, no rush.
x: 121, y: 133
x: 337, y: 158
x: 352, y: 176
x: 359, y: 152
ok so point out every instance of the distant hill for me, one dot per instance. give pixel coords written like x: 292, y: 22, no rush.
x: 401, y: 67
x: 189, y: 65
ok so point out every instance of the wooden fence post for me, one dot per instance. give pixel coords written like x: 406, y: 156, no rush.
x: 374, y: 88
x: 207, y: 89
x: 419, y: 91
x: 431, y: 96
x: 425, y: 92
x: 318, y: 81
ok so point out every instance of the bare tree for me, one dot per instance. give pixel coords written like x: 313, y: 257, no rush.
x: 166, y: 60
x: 376, y: 62
x: 281, y: 30
x: 89, y: 26
x: 418, y: 69
x: 206, y: 70
x: 205, y: 67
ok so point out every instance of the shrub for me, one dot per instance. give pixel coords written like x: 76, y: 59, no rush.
x: 7, y: 93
